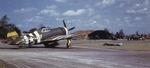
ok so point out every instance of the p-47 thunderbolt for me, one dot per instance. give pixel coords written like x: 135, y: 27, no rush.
x: 48, y: 37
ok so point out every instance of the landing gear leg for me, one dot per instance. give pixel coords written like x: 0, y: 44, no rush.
x: 68, y: 45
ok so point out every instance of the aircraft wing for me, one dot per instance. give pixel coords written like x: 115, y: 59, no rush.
x: 57, y: 38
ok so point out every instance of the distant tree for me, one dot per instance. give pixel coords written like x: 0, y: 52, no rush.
x: 137, y: 33
x: 3, y: 32
x: 17, y: 30
x: 100, y: 34
x: 105, y: 29
x: 5, y: 27
x: 117, y: 35
x: 120, y: 34
x: 4, y: 20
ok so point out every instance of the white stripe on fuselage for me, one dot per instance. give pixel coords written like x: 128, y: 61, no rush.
x: 38, y: 36
x: 26, y: 39
x: 31, y: 38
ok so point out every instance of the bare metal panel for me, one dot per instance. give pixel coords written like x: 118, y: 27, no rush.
x: 54, y: 32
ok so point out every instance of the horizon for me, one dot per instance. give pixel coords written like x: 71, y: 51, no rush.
x: 131, y: 16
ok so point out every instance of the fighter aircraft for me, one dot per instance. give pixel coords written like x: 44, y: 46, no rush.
x: 47, y: 36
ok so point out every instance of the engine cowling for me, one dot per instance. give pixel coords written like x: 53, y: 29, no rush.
x: 54, y: 32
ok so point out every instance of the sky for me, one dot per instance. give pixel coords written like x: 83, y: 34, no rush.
x: 129, y: 15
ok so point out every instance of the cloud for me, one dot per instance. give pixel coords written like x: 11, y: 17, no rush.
x: 127, y: 19
x: 61, y: 1
x: 97, y: 17
x: 139, y: 8
x: 107, y: 21
x: 74, y: 13
x: 138, y: 18
x: 146, y: 2
x: 52, y: 7
x: 49, y: 11
x: 121, y: 5
x: 141, y: 11
x: 36, y: 19
x: 92, y: 21
x: 108, y: 1
x: 131, y: 11
x: 25, y: 10
x: 90, y: 11
x: 59, y: 19
x: 105, y: 2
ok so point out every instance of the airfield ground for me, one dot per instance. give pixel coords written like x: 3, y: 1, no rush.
x: 83, y: 54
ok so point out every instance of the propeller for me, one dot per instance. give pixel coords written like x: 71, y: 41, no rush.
x: 71, y: 28
x: 68, y: 39
x: 64, y: 24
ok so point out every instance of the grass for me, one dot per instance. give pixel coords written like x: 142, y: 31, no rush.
x: 139, y: 45
x: 127, y: 47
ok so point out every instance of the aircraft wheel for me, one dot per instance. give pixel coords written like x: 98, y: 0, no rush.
x: 68, y: 43
x: 51, y: 44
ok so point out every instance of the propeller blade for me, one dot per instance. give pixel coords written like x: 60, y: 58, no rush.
x: 64, y: 23
x: 71, y: 28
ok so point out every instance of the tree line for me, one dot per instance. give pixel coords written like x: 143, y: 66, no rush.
x: 106, y: 34
x: 6, y: 26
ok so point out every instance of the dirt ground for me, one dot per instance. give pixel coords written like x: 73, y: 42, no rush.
x: 83, y: 54
x: 4, y: 64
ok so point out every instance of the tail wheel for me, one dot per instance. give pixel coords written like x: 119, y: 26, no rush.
x: 68, y: 43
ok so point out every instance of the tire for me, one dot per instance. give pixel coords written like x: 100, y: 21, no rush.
x: 51, y: 44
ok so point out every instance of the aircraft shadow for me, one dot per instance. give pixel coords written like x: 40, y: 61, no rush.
x: 48, y: 47
x: 34, y: 47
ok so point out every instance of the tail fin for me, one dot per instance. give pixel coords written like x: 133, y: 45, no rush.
x: 12, y: 35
